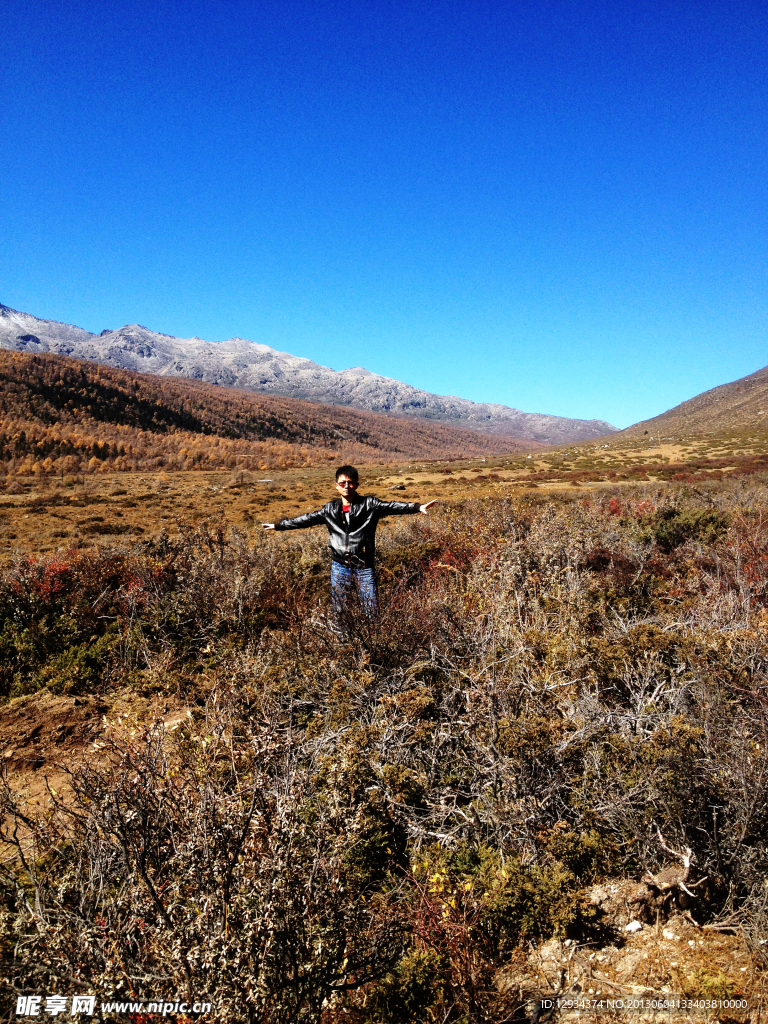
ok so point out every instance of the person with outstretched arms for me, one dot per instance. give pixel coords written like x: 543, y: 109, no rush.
x: 351, y: 520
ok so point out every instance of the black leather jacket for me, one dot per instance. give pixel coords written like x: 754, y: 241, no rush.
x: 354, y: 543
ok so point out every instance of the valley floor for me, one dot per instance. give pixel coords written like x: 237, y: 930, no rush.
x: 49, y: 514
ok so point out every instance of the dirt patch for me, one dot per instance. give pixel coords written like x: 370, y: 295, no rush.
x: 38, y: 729
x: 655, y: 963
x: 42, y: 735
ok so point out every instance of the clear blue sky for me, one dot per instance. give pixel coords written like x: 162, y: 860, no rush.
x: 560, y: 206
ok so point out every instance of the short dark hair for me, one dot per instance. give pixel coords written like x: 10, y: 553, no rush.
x: 349, y: 471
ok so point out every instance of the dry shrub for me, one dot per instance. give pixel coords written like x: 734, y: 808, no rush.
x: 202, y: 864
x: 551, y: 686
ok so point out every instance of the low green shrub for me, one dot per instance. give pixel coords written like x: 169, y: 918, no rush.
x: 529, y: 902
x: 672, y: 526
x: 80, y: 669
x: 410, y: 991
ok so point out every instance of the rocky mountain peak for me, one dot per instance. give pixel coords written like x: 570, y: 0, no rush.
x: 251, y: 366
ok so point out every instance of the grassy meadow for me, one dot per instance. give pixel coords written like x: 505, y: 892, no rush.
x: 45, y: 513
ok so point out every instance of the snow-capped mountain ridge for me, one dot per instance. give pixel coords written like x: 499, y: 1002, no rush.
x: 249, y: 365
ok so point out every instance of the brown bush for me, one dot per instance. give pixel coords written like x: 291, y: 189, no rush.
x: 547, y: 691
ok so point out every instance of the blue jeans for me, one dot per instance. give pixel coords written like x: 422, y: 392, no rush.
x: 342, y: 580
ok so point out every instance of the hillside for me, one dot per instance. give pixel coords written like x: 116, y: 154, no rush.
x: 740, y: 405
x: 237, y: 363
x: 61, y: 415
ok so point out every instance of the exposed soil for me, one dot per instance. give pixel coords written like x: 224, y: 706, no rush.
x: 42, y: 734
x: 671, y: 961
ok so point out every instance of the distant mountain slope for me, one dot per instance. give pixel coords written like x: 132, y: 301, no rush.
x: 740, y: 405
x: 60, y: 415
x: 252, y: 367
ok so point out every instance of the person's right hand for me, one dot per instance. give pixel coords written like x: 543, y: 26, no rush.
x: 268, y: 526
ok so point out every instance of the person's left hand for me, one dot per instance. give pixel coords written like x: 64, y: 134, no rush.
x: 428, y: 506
